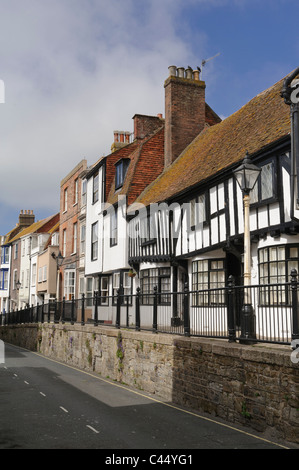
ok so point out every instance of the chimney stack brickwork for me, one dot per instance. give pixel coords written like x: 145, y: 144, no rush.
x: 184, y: 110
x: 146, y: 125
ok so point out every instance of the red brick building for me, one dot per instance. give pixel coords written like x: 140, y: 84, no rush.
x: 69, y: 239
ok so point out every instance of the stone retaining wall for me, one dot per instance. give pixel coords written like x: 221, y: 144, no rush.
x: 250, y: 385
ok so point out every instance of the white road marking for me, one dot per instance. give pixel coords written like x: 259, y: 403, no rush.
x: 63, y: 409
x: 42, y: 394
x: 93, y: 429
x: 27, y: 383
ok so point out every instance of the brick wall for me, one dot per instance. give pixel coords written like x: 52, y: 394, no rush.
x: 184, y: 114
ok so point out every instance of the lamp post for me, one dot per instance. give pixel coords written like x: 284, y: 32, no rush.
x: 59, y: 260
x: 18, y: 286
x: 247, y: 175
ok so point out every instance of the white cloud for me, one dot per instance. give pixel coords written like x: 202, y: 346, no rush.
x: 75, y: 70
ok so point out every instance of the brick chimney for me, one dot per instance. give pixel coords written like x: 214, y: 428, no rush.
x: 184, y: 110
x: 26, y: 218
x: 146, y: 125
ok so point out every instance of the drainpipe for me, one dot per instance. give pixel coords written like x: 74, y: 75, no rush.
x: 286, y: 93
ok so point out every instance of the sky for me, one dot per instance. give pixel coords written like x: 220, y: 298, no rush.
x: 73, y: 71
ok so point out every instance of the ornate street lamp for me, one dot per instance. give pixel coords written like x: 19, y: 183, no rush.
x: 247, y: 175
x: 18, y: 287
x: 59, y: 261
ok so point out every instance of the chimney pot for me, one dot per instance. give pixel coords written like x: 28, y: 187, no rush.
x: 181, y: 72
x: 172, y: 70
x: 196, y: 74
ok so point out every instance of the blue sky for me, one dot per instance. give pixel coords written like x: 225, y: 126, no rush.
x: 76, y: 70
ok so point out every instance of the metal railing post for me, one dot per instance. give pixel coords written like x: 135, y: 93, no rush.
x: 96, y: 299
x: 155, y: 310
x: 294, y: 287
x: 186, y: 311
x: 83, y: 309
x: 42, y: 316
x: 137, y: 310
x: 63, y: 311
x: 231, y: 317
x: 72, y: 310
x: 118, y: 304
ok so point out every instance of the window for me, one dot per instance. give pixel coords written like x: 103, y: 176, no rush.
x: 15, y: 278
x: 64, y: 243
x: 82, y: 239
x: 75, y: 230
x: 208, y: 275
x: 120, y: 173
x: 40, y: 274
x: 115, y: 285
x: 16, y: 250
x: 5, y: 255
x: 264, y: 187
x: 94, y: 242
x: 150, y: 278
x: 148, y: 229
x: 89, y: 291
x: 104, y: 291
x: 275, y: 266
x: 113, y: 227
x: 198, y: 211
x: 83, y: 195
x: 95, y: 192
x: 76, y: 191
x: 65, y: 200
x: 3, y: 279
x: 69, y: 284
x: 33, y: 275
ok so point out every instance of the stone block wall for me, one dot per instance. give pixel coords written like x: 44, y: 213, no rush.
x: 256, y: 385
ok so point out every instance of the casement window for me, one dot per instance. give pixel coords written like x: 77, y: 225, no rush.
x: 207, y: 277
x: 275, y: 266
x: 155, y: 277
x: 113, y: 227
x: 69, y: 284
x: 3, y: 279
x: 264, y: 188
x: 65, y: 200
x: 95, y: 188
x: 94, y: 241
x: 120, y: 173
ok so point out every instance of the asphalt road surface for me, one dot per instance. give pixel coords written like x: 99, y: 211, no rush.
x: 48, y: 405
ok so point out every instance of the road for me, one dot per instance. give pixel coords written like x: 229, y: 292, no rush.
x: 48, y: 405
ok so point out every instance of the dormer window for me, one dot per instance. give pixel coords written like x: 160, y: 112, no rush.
x: 120, y: 172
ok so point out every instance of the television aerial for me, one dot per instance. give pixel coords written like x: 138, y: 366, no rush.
x: 203, y: 62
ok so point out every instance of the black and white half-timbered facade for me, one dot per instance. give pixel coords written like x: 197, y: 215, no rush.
x: 187, y: 228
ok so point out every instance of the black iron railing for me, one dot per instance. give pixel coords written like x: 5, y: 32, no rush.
x: 261, y: 313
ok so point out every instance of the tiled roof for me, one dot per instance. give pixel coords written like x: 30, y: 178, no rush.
x: 265, y: 119
x: 147, y: 162
x: 36, y: 227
